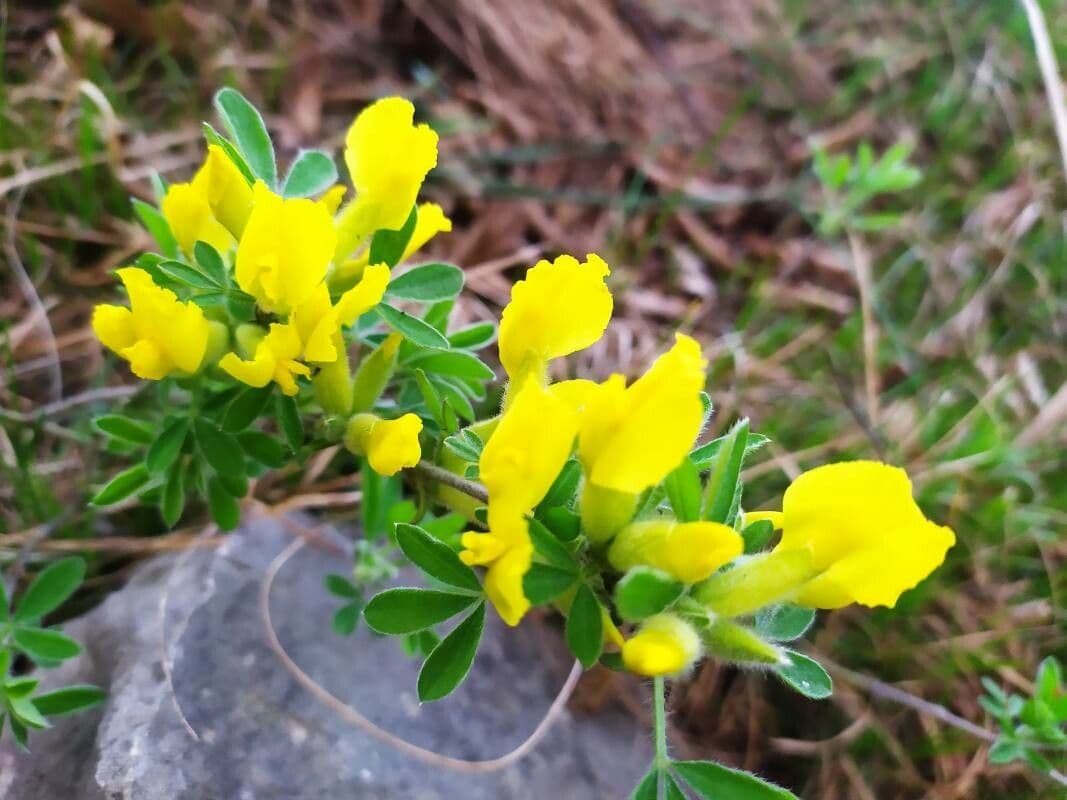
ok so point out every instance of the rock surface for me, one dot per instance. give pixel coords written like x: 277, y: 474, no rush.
x: 262, y: 735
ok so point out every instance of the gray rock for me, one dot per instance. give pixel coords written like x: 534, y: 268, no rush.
x: 263, y: 736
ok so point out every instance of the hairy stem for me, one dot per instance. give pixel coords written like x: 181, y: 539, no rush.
x: 450, y: 479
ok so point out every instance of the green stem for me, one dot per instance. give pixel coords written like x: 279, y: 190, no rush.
x: 659, y: 699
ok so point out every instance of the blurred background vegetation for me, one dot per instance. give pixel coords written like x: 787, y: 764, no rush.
x: 920, y: 319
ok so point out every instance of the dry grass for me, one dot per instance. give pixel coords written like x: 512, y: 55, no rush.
x: 674, y: 138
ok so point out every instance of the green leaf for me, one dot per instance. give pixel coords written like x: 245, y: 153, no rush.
x: 412, y: 328
x: 18, y: 732
x: 648, y: 788
x: 224, y: 508
x: 157, y: 225
x: 214, y: 137
x: 220, y: 449
x: 241, y: 306
x: 263, y: 448
x: 341, y: 586
x: 466, y: 444
x: 245, y: 408
x: 430, y: 397
x: 757, y: 535
x: 448, y: 664
x: 645, y: 591
x: 585, y: 627
x: 543, y: 583
x: 674, y: 792
x: 435, y: 558
x: 684, y: 490
x: 50, y: 589
x: 473, y: 337
x: 5, y: 615
x: 453, y: 362
x: 564, y: 524
x: 806, y: 676
x: 427, y: 283
x: 346, y: 619
x: 125, y: 428
x: 288, y: 414
x: 68, y: 700
x: 1004, y: 751
x: 550, y: 548
x: 716, y: 782
x: 44, y: 645
x: 210, y: 262
x: 172, y: 502
x: 405, y: 610
x: 19, y: 687
x: 27, y: 713
x: 387, y: 247
x: 246, y: 126
x: 186, y: 275
x: 311, y: 172
x: 720, y: 500
x: 167, y: 446
x: 705, y: 454
x: 122, y: 486
x: 563, y: 488
x: 783, y: 623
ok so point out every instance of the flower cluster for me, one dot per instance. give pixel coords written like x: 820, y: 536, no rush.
x: 304, y: 263
x: 591, y: 497
x: 851, y: 532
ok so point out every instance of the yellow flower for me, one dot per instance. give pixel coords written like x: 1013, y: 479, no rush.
x: 388, y: 157
x: 868, y: 539
x: 560, y: 308
x: 665, y: 645
x: 318, y: 320
x: 213, y: 207
x: 275, y: 359
x: 285, y: 250
x: 389, y: 444
x: 631, y: 438
x: 430, y: 221
x: 158, y: 334
x: 689, y: 551
x: 518, y: 465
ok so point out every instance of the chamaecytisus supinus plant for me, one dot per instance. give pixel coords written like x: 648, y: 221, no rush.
x: 592, y: 498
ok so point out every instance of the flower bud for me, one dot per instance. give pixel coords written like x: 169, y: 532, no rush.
x: 688, y: 551
x: 732, y: 642
x: 389, y: 445
x: 665, y: 645
x: 755, y: 582
x: 374, y: 373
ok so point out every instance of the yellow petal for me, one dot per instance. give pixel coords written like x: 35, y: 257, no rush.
x: 363, y: 296
x: 481, y: 548
x: 559, y: 308
x: 228, y: 194
x: 631, y: 440
x: 159, y: 334
x: 393, y: 444
x: 147, y: 360
x: 256, y: 372
x: 665, y: 645
x: 527, y: 450
x: 113, y: 326
x: 316, y: 322
x: 865, y: 533
x: 388, y: 157
x: 191, y: 219
x: 331, y: 198
x: 503, y: 583
x: 285, y: 250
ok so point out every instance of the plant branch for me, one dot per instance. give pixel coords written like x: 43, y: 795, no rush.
x: 452, y: 480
